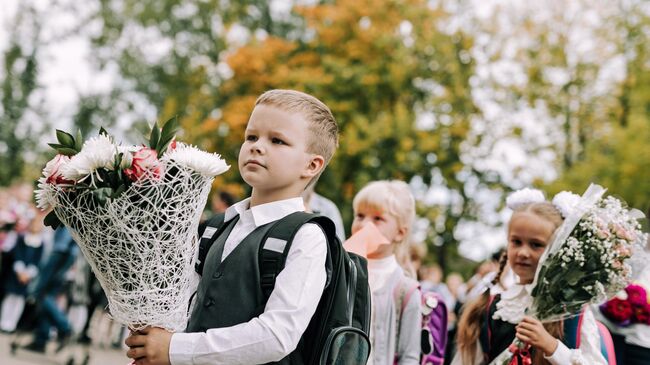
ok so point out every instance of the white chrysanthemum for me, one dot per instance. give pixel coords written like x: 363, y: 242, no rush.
x: 205, y: 163
x: 127, y: 155
x: 97, y: 152
x: 566, y: 202
x: 45, y: 195
x: 524, y: 196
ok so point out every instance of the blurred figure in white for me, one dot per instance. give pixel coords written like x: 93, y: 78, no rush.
x: 319, y: 204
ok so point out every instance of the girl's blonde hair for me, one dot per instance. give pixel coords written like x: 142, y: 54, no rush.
x: 474, y: 313
x: 395, y: 198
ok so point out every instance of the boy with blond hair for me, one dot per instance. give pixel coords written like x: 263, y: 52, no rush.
x: 289, y: 139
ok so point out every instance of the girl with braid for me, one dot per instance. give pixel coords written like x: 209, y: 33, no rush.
x: 489, y: 324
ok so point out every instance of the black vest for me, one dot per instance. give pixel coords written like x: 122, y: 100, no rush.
x: 230, y: 292
x: 496, y: 335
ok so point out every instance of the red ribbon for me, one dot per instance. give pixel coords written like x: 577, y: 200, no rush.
x: 520, y: 352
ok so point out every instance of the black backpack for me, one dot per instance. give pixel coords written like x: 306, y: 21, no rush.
x: 338, y: 331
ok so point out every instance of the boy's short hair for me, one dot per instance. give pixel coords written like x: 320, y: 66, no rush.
x: 324, y: 132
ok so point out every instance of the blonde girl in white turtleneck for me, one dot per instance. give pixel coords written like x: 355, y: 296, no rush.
x: 394, y: 336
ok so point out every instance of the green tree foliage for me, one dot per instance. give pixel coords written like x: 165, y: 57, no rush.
x: 376, y: 65
x: 618, y: 159
x: 618, y: 155
x: 17, y: 82
x: 169, y: 51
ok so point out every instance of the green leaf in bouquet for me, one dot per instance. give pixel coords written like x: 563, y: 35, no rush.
x: 118, y: 160
x: 101, y: 195
x: 154, y: 137
x: 56, y: 146
x: 573, y: 276
x: 568, y: 293
x: 591, y: 265
x: 66, y: 151
x: 51, y: 220
x: 169, y: 130
x: 78, y: 142
x: 65, y: 139
x: 120, y: 189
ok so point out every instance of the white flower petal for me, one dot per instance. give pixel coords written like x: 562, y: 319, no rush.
x: 205, y: 163
x: 45, y: 195
x: 97, y: 152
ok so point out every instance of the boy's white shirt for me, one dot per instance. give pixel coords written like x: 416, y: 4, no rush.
x: 293, y: 301
x: 511, y: 307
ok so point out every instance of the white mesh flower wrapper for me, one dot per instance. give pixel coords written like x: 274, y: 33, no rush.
x: 141, y: 245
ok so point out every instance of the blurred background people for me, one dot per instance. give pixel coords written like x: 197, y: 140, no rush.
x: 319, y: 204
x: 49, y: 285
x: 26, y: 258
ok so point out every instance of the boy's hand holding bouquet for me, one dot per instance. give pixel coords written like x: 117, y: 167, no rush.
x: 134, y: 211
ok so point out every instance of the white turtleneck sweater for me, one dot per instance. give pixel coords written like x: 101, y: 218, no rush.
x: 386, y: 278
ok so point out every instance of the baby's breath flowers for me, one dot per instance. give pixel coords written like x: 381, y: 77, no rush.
x: 590, y: 265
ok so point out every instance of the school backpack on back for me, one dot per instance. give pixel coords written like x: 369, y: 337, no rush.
x: 572, y: 330
x: 338, y: 331
x: 433, y: 336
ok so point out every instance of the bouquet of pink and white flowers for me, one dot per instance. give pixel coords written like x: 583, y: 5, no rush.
x: 587, y: 260
x: 134, y: 211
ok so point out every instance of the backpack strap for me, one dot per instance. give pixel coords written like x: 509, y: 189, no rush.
x: 402, y: 294
x: 606, y: 344
x: 275, y: 248
x: 572, y: 330
x: 208, y: 233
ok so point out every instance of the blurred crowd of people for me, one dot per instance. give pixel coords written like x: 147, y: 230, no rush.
x: 46, y: 287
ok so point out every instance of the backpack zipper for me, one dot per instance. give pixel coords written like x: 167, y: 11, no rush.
x: 328, y: 309
x: 352, y: 287
x: 366, y: 328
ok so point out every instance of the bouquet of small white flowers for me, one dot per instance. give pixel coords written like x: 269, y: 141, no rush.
x: 587, y: 260
x: 134, y: 211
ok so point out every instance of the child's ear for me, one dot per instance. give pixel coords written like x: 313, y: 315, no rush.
x: 401, y: 234
x: 314, y: 167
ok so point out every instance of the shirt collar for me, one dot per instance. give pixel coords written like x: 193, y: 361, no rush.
x: 517, y: 289
x: 266, y: 213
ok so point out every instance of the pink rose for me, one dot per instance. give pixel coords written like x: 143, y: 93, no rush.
x: 623, y: 251
x: 52, y: 170
x: 636, y: 295
x: 145, y: 163
x: 622, y: 233
x: 603, y: 234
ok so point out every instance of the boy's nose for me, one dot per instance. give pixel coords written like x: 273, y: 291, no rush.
x: 257, y: 147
